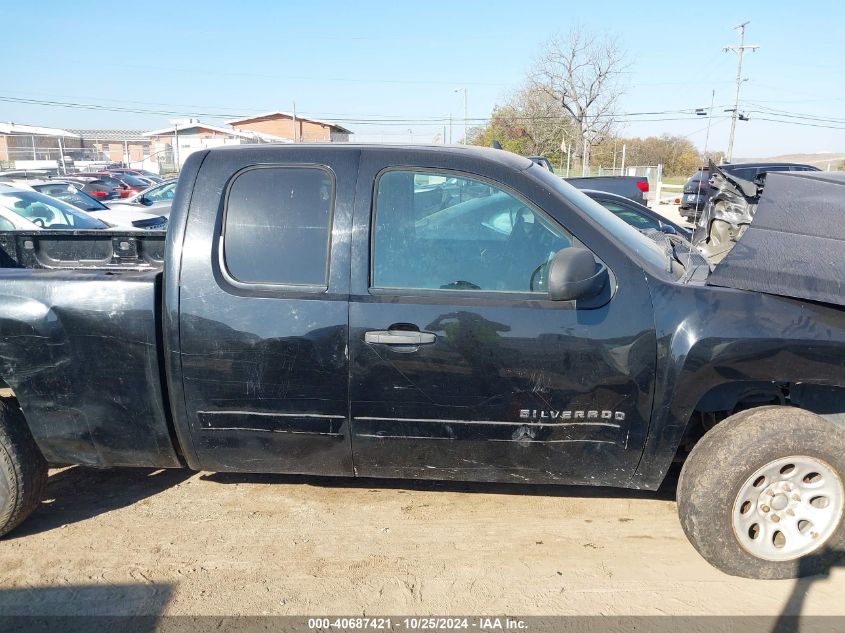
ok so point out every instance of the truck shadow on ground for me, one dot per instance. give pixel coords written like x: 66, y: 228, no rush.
x: 77, y: 493
x: 85, y: 608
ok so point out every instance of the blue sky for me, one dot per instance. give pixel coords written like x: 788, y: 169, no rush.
x: 345, y: 60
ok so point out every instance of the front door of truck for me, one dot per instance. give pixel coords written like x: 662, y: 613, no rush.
x: 263, y: 329
x: 460, y: 367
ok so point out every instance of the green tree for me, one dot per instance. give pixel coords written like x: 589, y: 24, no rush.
x: 531, y: 123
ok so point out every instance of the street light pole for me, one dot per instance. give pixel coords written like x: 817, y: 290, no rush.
x: 739, y: 50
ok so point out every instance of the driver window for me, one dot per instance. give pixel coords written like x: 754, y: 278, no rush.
x: 441, y: 232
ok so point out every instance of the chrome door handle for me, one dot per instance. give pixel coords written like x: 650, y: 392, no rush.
x: 399, y: 337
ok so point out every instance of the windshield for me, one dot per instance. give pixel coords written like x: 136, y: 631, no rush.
x: 47, y: 212
x: 161, y: 193
x: 70, y: 194
x: 629, y: 238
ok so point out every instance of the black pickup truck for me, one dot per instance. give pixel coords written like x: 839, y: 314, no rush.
x: 413, y: 312
x: 632, y: 187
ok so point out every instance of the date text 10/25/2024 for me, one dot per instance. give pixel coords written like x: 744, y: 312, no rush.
x: 418, y: 623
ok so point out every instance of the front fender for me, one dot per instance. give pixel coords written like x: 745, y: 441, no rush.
x: 708, y: 336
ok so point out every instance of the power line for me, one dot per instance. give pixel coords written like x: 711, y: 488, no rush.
x: 796, y: 115
x: 378, y: 120
x: 804, y: 123
x: 655, y: 116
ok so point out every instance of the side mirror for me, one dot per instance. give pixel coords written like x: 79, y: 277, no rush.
x: 145, y: 201
x: 668, y: 229
x: 575, y: 274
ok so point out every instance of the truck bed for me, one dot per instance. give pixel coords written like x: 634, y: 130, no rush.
x: 620, y: 185
x: 80, y: 344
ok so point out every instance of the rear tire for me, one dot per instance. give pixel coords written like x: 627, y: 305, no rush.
x: 761, y: 494
x: 23, y: 471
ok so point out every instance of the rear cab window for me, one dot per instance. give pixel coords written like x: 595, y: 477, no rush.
x: 277, y: 226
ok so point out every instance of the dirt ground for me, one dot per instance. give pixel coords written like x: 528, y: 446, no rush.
x: 670, y: 211
x: 175, y: 542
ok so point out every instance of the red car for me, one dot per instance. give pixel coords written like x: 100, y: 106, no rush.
x: 96, y: 185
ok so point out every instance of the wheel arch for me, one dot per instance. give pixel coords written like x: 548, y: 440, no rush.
x: 826, y: 401
x: 688, y: 423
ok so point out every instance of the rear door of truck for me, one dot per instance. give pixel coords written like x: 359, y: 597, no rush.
x: 262, y: 331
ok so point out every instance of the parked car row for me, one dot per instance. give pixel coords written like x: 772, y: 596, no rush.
x: 70, y: 203
x: 123, y: 215
x: 106, y: 184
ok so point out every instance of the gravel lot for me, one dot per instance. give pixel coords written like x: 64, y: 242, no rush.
x: 670, y: 211
x: 174, y: 542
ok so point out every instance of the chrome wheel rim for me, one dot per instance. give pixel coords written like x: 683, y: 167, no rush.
x: 788, y: 508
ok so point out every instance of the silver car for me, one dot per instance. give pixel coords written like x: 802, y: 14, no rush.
x: 27, y: 210
x: 155, y: 200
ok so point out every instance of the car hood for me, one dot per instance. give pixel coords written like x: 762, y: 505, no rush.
x: 124, y: 215
x: 156, y: 208
x: 790, y: 238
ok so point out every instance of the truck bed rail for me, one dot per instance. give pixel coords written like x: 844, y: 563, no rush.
x: 88, y: 249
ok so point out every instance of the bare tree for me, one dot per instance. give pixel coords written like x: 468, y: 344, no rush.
x: 582, y: 72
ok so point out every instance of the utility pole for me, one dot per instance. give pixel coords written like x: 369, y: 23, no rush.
x: 466, y: 117
x: 176, y: 146
x: 709, y: 121
x: 613, y: 169
x: 739, y: 50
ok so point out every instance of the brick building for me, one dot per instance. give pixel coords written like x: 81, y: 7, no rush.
x: 31, y: 144
x: 119, y: 146
x: 290, y: 126
x: 171, y: 146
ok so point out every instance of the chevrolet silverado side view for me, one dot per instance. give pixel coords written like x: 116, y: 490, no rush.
x: 425, y: 312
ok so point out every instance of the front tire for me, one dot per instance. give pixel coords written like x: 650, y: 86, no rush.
x: 762, y: 494
x: 23, y: 471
